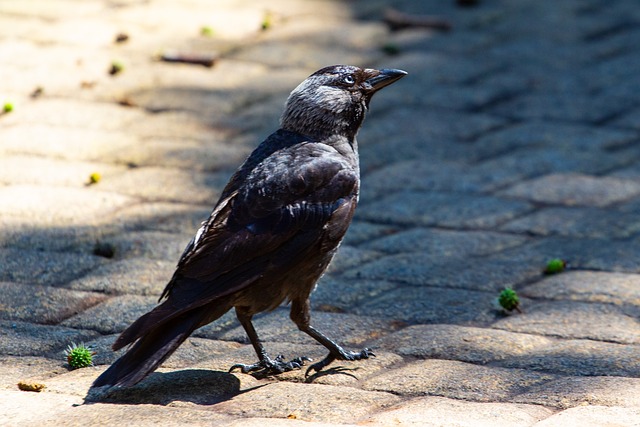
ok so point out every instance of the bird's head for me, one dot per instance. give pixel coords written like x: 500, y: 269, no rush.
x: 333, y: 100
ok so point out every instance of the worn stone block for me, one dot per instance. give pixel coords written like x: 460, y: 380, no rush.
x: 112, y: 315
x: 575, y: 190
x: 456, y: 380
x: 463, y: 343
x: 443, y: 209
x: 441, y: 412
x: 42, y: 304
x: 307, y: 402
x: 575, y: 320
x: 28, y: 339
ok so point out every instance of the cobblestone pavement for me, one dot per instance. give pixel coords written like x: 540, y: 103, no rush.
x: 513, y: 140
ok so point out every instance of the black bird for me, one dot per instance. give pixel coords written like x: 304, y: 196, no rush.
x: 273, y: 232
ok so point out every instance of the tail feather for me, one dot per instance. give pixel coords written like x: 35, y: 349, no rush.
x: 155, y: 346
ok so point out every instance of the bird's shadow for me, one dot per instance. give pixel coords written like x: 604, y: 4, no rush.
x: 199, y: 386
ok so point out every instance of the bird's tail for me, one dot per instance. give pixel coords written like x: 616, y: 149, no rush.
x: 155, y: 345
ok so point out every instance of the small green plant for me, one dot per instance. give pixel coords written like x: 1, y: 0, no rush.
x: 206, y: 31
x: 509, y: 300
x: 267, y: 21
x: 555, y: 266
x: 7, y: 107
x: 94, y: 178
x: 79, y: 356
x: 116, y: 68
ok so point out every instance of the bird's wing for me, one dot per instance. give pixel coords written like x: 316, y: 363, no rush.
x: 287, y: 195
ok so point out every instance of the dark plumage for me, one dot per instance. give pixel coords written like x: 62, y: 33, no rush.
x: 273, y: 232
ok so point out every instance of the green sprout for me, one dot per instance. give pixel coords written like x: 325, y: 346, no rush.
x: 554, y: 266
x: 509, y: 300
x: 116, y: 67
x: 7, y: 107
x: 267, y: 21
x: 94, y: 178
x: 79, y: 356
x: 207, y: 31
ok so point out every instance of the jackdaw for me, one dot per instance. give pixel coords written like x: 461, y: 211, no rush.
x: 271, y: 235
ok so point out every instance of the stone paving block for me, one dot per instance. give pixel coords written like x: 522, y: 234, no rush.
x: 576, y: 222
x: 565, y: 106
x: 156, y: 245
x: 338, y: 294
x: 44, y: 268
x: 350, y: 256
x: 282, y: 422
x: 79, y: 239
x: 70, y: 113
x: 143, y: 415
x: 594, y: 415
x: 443, y: 412
x: 363, y: 231
x: 551, y: 135
x: 575, y: 190
x: 432, y: 68
x: 426, y: 176
x: 566, y: 392
x: 168, y: 217
x: 492, y: 273
x: 113, y: 315
x: 433, y: 125
x: 27, y: 170
x: 26, y: 368
x: 307, y: 402
x: 378, y: 152
x: 183, y: 153
x: 443, y: 209
x: 346, y: 44
x: 533, y: 161
x: 50, y: 405
x: 28, y: 339
x: 588, y: 286
x: 467, y: 344
x: 346, y: 329
x: 50, y: 206
x: 456, y: 380
x: 169, y: 185
x: 43, y: 304
x: 445, y: 243
x: 580, y: 253
x: 431, y: 305
x: 565, y: 319
x: 579, y: 358
x: 628, y: 120
x: 65, y: 143
x: 137, y: 276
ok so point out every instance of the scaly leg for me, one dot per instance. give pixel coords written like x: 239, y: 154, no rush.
x: 266, y: 364
x: 301, y: 317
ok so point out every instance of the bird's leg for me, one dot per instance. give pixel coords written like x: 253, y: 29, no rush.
x: 266, y: 364
x: 301, y: 317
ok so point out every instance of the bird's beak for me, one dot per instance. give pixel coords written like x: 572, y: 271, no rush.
x: 380, y: 78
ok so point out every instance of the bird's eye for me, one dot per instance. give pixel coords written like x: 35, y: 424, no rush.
x: 349, y: 79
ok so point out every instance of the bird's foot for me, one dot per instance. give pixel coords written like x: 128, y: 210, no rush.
x: 268, y: 366
x: 341, y: 355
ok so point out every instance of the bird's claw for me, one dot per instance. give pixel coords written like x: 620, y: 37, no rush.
x: 344, y: 355
x: 268, y: 366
